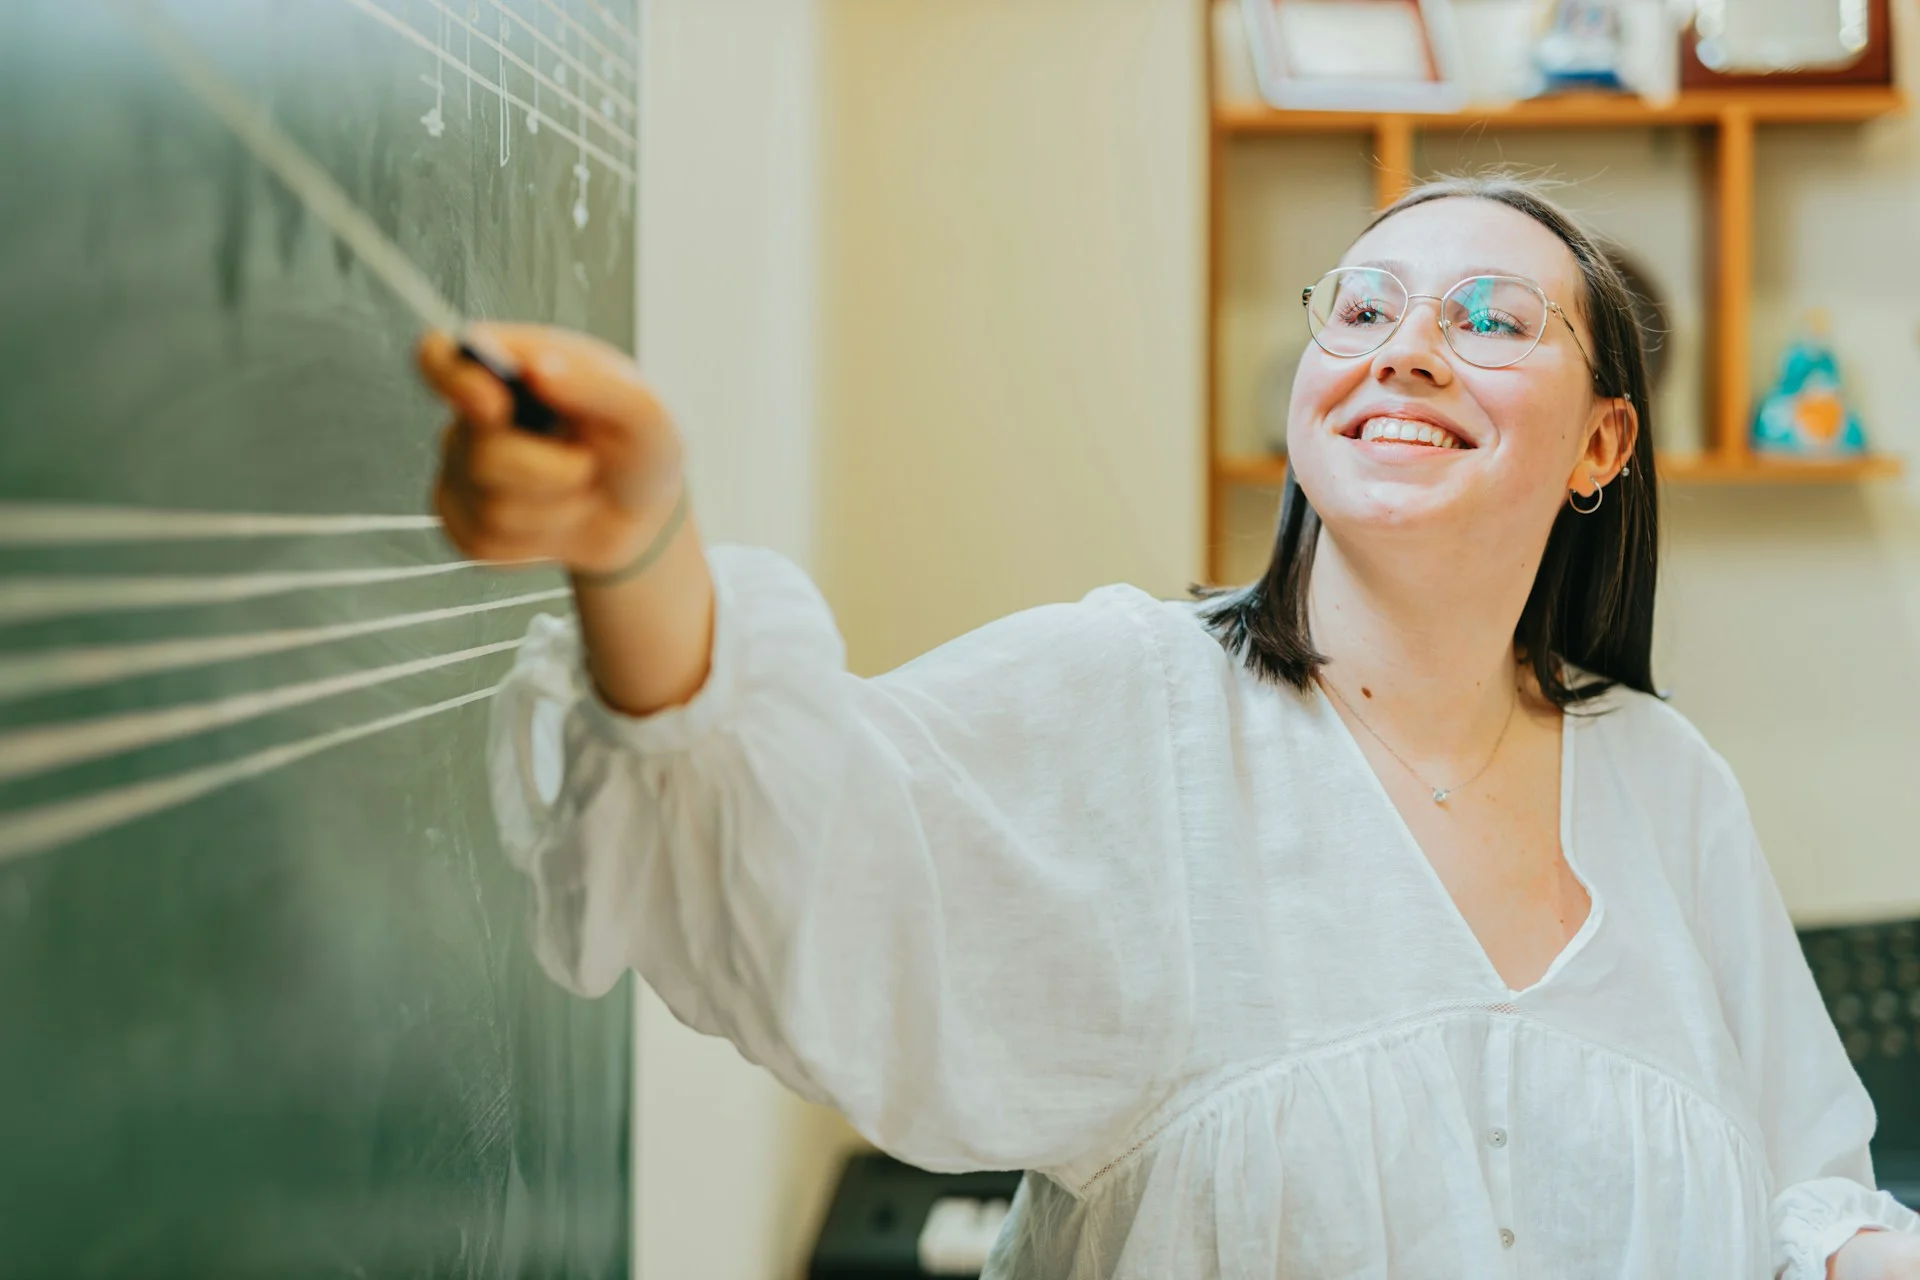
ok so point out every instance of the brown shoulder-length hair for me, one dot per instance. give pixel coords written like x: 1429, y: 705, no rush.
x: 1591, y: 606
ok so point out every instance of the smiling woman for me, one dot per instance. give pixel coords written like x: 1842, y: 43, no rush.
x: 1559, y: 421
x: 1374, y: 920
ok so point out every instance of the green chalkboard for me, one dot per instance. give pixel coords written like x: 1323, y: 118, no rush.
x: 266, y: 1003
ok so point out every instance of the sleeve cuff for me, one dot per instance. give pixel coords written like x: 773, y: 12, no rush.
x: 548, y: 700
x: 1813, y: 1219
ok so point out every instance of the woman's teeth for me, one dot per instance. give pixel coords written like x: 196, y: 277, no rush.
x: 1410, y: 432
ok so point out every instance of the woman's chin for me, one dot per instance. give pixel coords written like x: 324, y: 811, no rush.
x: 1396, y: 519
x: 1358, y: 491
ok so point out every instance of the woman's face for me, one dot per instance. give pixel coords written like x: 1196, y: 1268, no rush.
x: 1526, y: 434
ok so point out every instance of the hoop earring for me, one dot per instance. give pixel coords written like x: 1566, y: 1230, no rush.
x: 1599, y: 496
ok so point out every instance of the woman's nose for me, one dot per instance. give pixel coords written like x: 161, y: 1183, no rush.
x: 1416, y: 348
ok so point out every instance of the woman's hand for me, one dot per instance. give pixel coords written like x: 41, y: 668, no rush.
x: 603, y: 499
x: 1877, y: 1255
x: 591, y: 499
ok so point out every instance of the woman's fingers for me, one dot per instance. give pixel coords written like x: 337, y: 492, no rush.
x: 509, y: 531
x: 473, y: 393
x: 514, y: 516
x: 580, y: 376
x: 519, y: 463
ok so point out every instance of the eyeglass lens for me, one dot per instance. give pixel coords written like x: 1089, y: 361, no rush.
x: 1490, y: 321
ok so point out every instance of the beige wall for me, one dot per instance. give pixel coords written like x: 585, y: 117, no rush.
x: 1796, y: 638
x: 1011, y: 360
x: 732, y: 1171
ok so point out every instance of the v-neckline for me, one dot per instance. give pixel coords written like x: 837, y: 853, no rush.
x: 1410, y: 845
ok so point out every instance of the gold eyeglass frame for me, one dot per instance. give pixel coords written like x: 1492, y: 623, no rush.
x: 1439, y: 318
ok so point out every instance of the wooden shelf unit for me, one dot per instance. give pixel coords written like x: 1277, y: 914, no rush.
x: 1581, y: 111
x: 1727, y: 119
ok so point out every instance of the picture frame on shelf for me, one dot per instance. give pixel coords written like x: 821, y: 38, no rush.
x: 1730, y: 46
x: 1356, y: 55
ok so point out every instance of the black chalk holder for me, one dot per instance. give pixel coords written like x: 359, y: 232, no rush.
x: 530, y: 412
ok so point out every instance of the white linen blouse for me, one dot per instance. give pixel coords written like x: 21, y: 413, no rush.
x: 1077, y: 894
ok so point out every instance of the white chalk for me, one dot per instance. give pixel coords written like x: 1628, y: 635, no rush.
x: 47, y: 524
x: 32, y: 831
x: 57, y: 670
x: 33, y: 599
x: 25, y: 752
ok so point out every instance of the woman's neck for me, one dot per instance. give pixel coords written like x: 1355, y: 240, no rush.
x: 1419, y: 644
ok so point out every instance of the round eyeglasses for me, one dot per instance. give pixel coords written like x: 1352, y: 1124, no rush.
x: 1489, y: 321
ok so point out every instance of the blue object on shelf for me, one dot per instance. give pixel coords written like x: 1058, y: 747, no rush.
x: 1805, y: 415
x: 1580, y: 50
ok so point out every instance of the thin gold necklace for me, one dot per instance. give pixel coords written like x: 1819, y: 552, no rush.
x: 1440, y: 794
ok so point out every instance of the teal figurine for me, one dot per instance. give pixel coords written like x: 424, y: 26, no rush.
x: 1804, y: 416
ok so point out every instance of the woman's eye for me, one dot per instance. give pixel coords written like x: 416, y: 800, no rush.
x: 1362, y: 313
x: 1493, y: 324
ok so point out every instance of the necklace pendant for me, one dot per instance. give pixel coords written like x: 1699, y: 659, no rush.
x: 1440, y: 795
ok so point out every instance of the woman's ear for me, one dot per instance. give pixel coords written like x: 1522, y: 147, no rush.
x: 1612, y: 432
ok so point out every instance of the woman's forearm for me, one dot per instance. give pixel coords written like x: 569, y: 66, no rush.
x: 649, y: 638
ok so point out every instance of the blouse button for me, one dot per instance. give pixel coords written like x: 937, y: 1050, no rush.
x: 1497, y: 1138
x: 1506, y: 1238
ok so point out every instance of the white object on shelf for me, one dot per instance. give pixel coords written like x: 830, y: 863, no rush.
x: 1497, y: 36
x: 1337, y: 55
x: 1650, y: 49
x: 958, y: 1234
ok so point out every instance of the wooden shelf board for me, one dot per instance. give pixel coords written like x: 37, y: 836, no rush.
x: 1262, y: 471
x: 1707, y: 468
x: 1765, y: 106
x: 1252, y: 470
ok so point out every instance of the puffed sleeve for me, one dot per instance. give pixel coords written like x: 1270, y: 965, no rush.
x: 1815, y: 1115
x: 948, y: 901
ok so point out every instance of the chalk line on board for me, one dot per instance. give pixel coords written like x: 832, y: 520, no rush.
x: 25, y: 752
x: 33, y: 599
x: 489, y: 85
x: 602, y: 118
x: 57, y: 670
x: 610, y: 56
x: 35, y: 830
x: 52, y: 524
x: 566, y: 63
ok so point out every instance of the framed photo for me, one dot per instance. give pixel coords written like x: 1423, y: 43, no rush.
x: 1754, y: 45
x: 1356, y: 55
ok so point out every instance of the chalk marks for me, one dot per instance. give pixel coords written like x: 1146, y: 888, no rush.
x: 602, y: 101
x: 611, y: 58
x: 36, y: 830
x: 500, y: 85
x: 568, y: 65
x: 59, y: 670
x: 40, y: 749
x: 36, y: 599
x: 490, y: 85
x: 581, y: 174
x: 435, y: 120
x: 612, y: 23
x: 600, y: 117
x: 25, y: 752
x: 49, y: 524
